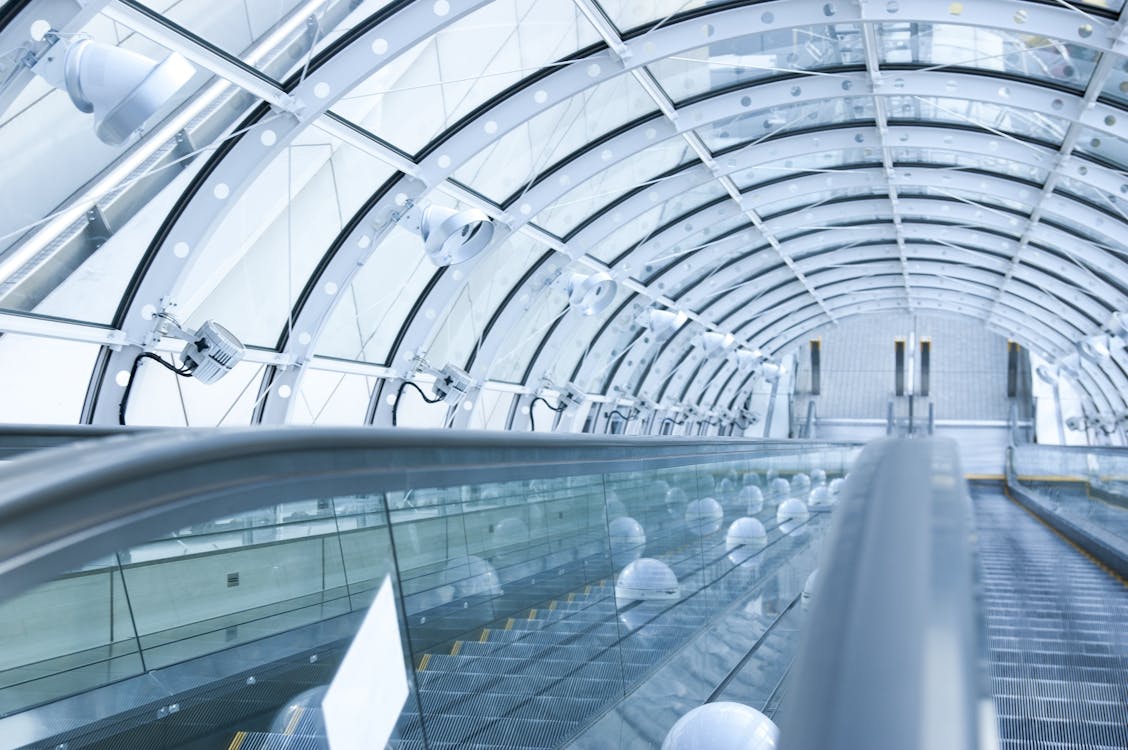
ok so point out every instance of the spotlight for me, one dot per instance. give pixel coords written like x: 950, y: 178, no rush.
x: 745, y: 359
x: 1047, y: 374
x: 212, y: 350
x: 452, y: 383
x: 451, y: 236
x: 1070, y: 366
x: 771, y: 371
x: 1118, y: 325
x: 1097, y: 348
x: 663, y: 323
x: 715, y: 343
x: 592, y: 293
x: 1076, y: 423
x: 122, y: 89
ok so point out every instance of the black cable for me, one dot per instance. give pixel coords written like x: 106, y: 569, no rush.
x: 532, y: 420
x: 399, y: 395
x: 183, y: 372
x: 622, y: 416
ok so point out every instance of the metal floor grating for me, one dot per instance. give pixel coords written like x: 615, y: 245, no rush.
x: 1056, y: 639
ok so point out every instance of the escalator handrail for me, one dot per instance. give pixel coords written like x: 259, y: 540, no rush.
x: 64, y: 507
x: 890, y: 654
x: 18, y: 439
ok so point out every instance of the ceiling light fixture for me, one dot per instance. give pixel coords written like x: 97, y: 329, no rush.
x: 662, y: 323
x: 716, y: 343
x: 591, y: 294
x: 451, y: 236
x: 122, y: 89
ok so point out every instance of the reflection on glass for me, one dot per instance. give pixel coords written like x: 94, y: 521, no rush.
x: 741, y: 61
x: 525, y: 603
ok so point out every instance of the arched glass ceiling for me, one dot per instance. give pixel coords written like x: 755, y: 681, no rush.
x: 766, y: 168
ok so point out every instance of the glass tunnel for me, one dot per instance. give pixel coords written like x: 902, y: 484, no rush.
x: 817, y: 309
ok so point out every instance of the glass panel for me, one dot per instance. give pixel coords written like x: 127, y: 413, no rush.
x: 530, y: 605
x: 429, y: 88
x: 1025, y: 55
x: 970, y: 160
x: 373, y: 309
x: 335, y: 398
x: 49, y: 384
x: 1089, y: 192
x: 272, y: 35
x: 1085, y: 488
x: 988, y: 115
x: 790, y: 197
x: 637, y: 230
x: 549, y: 311
x: 637, y: 170
x: 683, y: 254
x: 492, y: 409
x: 263, y: 252
x: 1102, y: 146
x: 74, y: 634
x: 627, y: 14
x: 486, y: 288
x: 93, y: 290
x: 568, y: 349
x: 988, y: 197
x: 825, y: 159
x: 518, y: 156
x: 758, y: 56
x: 1116, y: 86
x: 766, y: 122
x: 161, y: 397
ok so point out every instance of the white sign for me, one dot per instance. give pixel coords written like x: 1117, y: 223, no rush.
x: 367, y: 694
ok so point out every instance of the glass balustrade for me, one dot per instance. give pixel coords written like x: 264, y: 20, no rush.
x: 528, y: 606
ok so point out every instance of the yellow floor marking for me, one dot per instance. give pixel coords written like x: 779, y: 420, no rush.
x: 424, y: 662
x: 571, y: 597
x: 1047, y: 478
x: 294, y: 720
x: 456, y: 648
x: 587, y: 589
x: 552, y: 605
x: 984, y: 477
x: 485, y: 635
x: 532, y: 614
x: 509, y: 624
x: 237, y: 741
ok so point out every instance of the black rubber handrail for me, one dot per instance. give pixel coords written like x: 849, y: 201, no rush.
x: 61, y: 508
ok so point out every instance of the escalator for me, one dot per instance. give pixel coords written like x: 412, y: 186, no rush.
x: 1057, y: 648
x: 199, y: 591
x: 263, y: 552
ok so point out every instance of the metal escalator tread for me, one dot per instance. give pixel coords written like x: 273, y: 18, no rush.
x: 1057, y: 648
